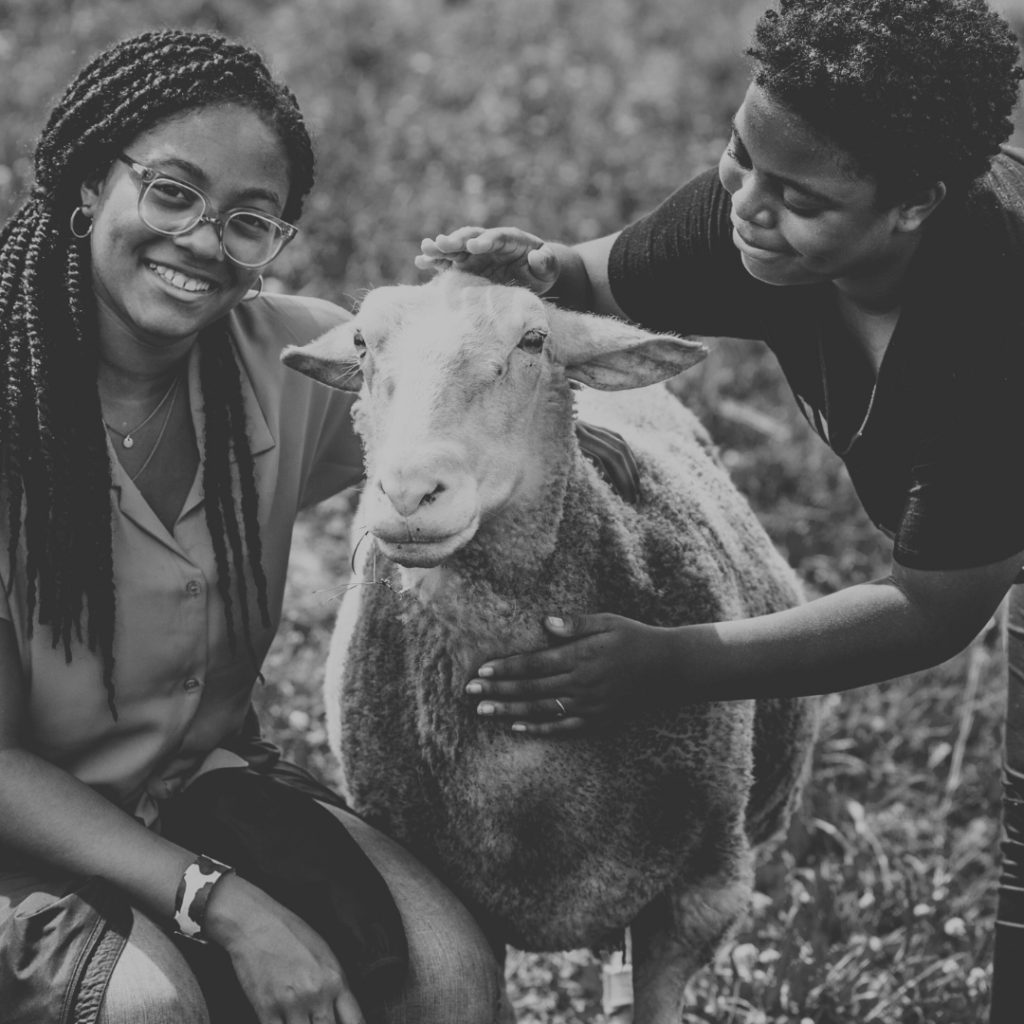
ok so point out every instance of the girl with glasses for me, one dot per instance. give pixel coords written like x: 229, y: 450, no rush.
x: 153, y: 455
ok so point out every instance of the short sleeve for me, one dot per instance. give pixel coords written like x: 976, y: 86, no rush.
x: 312, y: 421
x: 338, y: 459
x: 338, y: 455
x: 965, y: 501
x: 677, y: 270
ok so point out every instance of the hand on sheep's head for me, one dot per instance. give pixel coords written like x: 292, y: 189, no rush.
x: 505, y: 255
x: 601, y: 671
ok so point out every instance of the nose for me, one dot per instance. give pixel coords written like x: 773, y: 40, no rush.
x: 203, y: 240
x: 409, y: 490
x: 751, y: 201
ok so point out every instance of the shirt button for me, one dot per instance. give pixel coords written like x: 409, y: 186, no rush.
x: 191, y: 685
x: 194, y: 588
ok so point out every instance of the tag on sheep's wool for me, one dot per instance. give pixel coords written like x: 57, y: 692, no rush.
x: 617, y: 984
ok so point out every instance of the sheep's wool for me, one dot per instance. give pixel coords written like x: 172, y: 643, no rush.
x: 561, y: 842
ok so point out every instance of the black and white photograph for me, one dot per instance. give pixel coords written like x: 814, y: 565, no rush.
x: 511, y: 512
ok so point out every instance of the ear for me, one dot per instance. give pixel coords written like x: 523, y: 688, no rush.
x: 90, y: 192
x: 331, y: 359
x: 918, y: 207
x: 612, y: 355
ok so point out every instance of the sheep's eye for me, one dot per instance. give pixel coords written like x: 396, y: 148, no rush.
x: 533, y: 340
x: 360, y: 342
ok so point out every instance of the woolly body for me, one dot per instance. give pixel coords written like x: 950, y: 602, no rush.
x: 560, y: 842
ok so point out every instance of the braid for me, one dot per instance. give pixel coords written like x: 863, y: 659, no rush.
x: 224, y: 414
x: 148, y: 78
x: 216, y: 472
x: 55, y: 471
x: 97, y: 561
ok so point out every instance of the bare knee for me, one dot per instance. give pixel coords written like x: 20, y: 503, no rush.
x: 453, y: 976
x: 152, y: 982
x: 450, y: 983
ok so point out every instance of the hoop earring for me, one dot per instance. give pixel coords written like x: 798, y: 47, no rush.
x: 74, y: 213
x: 259, y: 290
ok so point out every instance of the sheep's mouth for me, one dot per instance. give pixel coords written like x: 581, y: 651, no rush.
x: 426, y: 553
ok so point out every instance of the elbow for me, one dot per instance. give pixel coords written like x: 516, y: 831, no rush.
x: 936, y: 631
x: 947, y: 643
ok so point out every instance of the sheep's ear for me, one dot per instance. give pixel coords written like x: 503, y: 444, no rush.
x: 612, y: 355
x: 331, y: 359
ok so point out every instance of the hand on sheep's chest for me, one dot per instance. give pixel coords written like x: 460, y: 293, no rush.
x: 449, y: 626
x: 452, y: 626
x: 534, y: 804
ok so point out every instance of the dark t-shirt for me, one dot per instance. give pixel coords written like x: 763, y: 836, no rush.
x: 938, y: 463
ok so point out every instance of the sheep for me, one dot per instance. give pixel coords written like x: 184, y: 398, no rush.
x: 484, y: 516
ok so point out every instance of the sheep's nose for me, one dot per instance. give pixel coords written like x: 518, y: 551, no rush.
x: 408, y: 491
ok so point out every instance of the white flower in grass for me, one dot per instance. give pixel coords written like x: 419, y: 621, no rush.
x: 298, y: 720
x: 744, y: 957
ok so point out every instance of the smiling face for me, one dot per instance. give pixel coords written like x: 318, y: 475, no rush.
x: 157, y: 289
x: 800, y: 217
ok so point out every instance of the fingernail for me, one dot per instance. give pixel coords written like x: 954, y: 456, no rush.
x: 518, y: 727
x: 485, y: 709
x: 474, y: 688
x: 554, y: 620
x: 485, y: 671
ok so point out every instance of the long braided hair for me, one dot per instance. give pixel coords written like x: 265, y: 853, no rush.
x: 55, y: 470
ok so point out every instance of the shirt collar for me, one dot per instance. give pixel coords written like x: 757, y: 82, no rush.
x: 130, y: 500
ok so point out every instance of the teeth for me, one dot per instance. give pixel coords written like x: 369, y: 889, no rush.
x: 179, y: 280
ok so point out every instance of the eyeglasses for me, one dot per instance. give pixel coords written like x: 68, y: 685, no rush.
x: 170, y: 207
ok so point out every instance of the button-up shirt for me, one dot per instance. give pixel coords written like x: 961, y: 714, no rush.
x: 180, y: 691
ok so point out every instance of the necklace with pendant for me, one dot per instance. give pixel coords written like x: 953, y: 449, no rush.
x: 159, y: 437
x: 129, y: 441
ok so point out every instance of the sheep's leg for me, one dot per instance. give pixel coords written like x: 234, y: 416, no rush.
x: 677, y: 934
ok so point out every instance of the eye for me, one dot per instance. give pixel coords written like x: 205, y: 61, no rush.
x: 798, y: 210
x: 251, y: 225
x: 170, y: 193
x: 738, y: 152
x: 360, y: 343
x: 533, y: 340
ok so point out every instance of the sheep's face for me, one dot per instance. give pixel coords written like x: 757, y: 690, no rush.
x: 464, y: 395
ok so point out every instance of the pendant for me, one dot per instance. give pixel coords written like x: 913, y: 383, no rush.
x: 127, y: 442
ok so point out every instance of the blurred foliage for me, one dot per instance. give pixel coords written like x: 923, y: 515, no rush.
x: 569, y: 118
x: 566, y: 117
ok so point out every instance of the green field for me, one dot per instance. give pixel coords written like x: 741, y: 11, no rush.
x: 569, y: 118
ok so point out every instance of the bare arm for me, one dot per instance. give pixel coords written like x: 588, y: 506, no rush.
x: 582, y: 281
x: 868, y: 633
x: 607, y: 666
x: 48, y: 814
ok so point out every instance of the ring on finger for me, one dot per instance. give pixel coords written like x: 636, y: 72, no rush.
x: 561, y: 709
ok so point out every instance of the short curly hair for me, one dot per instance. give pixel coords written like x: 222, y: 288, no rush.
x: 910, y: 91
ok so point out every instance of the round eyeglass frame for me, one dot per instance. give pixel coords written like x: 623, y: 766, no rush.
x: 149, y: 177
